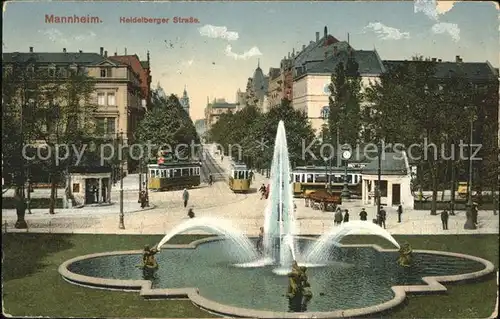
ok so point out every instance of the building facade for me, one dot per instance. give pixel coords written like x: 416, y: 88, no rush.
x: 311, y: 92
x: 215, y: 109
x: 119, y: 93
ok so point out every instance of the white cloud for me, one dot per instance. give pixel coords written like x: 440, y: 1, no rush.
x: 451, y: 28
x: 386, y: 33
x: 57, y: 36
x: 253, y: 51
x: 213, y: 31
x: 432, y: 8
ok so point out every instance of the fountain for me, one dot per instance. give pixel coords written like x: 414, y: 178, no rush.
x: 356, y: 279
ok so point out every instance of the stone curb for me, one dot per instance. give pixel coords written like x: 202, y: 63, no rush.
x: 433, y: 285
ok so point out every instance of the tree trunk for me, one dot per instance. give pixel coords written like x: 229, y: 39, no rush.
x: 20, y: 209
x: 53, y: 188
x: 434, y: 191
x: 452, y: 187
x: 445, y: 176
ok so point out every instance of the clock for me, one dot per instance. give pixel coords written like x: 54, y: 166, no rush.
x: 346, y: 155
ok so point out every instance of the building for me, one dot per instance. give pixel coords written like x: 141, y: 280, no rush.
x: 120, y: 94
x: 184, y: 100
x: 256, y: 90
x: 214, y: 110
x: 311, y: 92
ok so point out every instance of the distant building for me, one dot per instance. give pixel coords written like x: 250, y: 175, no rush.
x: 215, y: 109
x: 311, y: 92
x: 200, y: 127
x: 184, y: 100
x: 256, y: 89
x: 160, y: 91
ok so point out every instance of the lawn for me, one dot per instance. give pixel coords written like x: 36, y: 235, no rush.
x: 33, y: 287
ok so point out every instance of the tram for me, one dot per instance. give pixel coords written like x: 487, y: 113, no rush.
x: 307, y: 179
x: 168, y: 173
x: 239, y: 180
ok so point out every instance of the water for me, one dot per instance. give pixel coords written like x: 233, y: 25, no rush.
x: 279, y: 219
x: 353, y: 277
x: 243, y: 247
x: 318, y: 252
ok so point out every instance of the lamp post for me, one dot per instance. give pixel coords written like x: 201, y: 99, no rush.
x: 379, y: 179
x: 122, y: 223
x: 346, y: 155
x: 469, y: 224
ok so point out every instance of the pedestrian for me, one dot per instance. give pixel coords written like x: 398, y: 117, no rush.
x: 363, y: 214
x: 337, y: 219
x: 381, y: 218
x: 185, y: 197
x: 210, y: 180
x: 346, y: 216
x: 400, y: 212
x: 222, y: 158
x: 474, y: 214
x: 444, y: 219
x: 143, y: 198
x: 190, y: 213
x: 262, y: 191
x: 268, y: 189
x: 251, y: 176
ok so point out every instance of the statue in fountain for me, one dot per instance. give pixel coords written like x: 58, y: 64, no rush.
x: 405, y: 255
x: 148, y: 259
x: 299, y: 290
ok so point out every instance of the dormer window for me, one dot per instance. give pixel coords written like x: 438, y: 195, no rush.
x: 105, y: 72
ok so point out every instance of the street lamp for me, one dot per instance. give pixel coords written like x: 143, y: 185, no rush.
x: 379, y: 179
x: 469, y: 224
x: 346, y: 155
x: 121, y: 225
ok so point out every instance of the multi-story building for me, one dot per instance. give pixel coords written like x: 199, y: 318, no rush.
x: 215, y: 109
x: 119, y: 93
x: 311, y: 83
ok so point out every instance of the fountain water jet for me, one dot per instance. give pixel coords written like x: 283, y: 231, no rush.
x: 279, y: 216
x: 318, y: 252
x: 245, y: 248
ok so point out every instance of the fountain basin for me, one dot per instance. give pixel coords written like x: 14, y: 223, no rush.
x: 361, y: 279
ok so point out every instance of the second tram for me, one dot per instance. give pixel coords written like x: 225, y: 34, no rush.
x: 307, y: 179
x: 239, y: 180
x: 174, y: 175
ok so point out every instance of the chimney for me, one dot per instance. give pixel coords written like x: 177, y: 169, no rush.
x: 317, y: 36
x: 326, y: 31
x: 31, y: 49
x: 303, y: 47
x: 434, y: 59
x: 458, y: 59
x: 101, y: 51
x: 125, y: 51
x: 64, y: 50
x: 116, y: 54
x: 439, y: 60
x: 105, y: 54
x: 80, y: 51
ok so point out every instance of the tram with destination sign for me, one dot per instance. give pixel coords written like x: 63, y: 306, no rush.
x: 169, y: 173
x: 239, y: 180
x: 307, y: 179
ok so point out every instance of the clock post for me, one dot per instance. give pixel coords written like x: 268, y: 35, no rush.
x: 346, y: 155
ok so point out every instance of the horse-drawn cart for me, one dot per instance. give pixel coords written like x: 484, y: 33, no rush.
x: 323, y: 200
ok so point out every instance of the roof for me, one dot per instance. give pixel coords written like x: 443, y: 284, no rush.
x: 323, y: 169
x: 479, y: 71
x: 222, y: 105
x: 391, y: 164
x: 56, y: 58
x: 368, y: 61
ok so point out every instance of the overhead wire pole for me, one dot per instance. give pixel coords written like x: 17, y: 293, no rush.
x: 122, y: 223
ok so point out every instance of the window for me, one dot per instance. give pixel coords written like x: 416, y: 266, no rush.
x: 101, y: 99
x: 297, y: 178
x: 76, y: 188
x: 111, y: 99
x: 310, y: 178
x: 110, y: 125
x: 104, y: 73
x: 163, y: 173
x: 101, y: 126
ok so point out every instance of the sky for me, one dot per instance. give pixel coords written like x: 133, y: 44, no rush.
x: 215, y: 55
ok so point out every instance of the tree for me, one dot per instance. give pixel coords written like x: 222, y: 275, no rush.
x: 22, y: 91
x: 167, y: 125
x: 345, y: 100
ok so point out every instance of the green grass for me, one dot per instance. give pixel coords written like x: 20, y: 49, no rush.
x: 33, y: 287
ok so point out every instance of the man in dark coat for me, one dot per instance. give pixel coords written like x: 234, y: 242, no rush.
x: 382, y: 217
x: 363, y: 214
x: 400, y: 212
x: 444, y: 219
x: 346, y: 216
